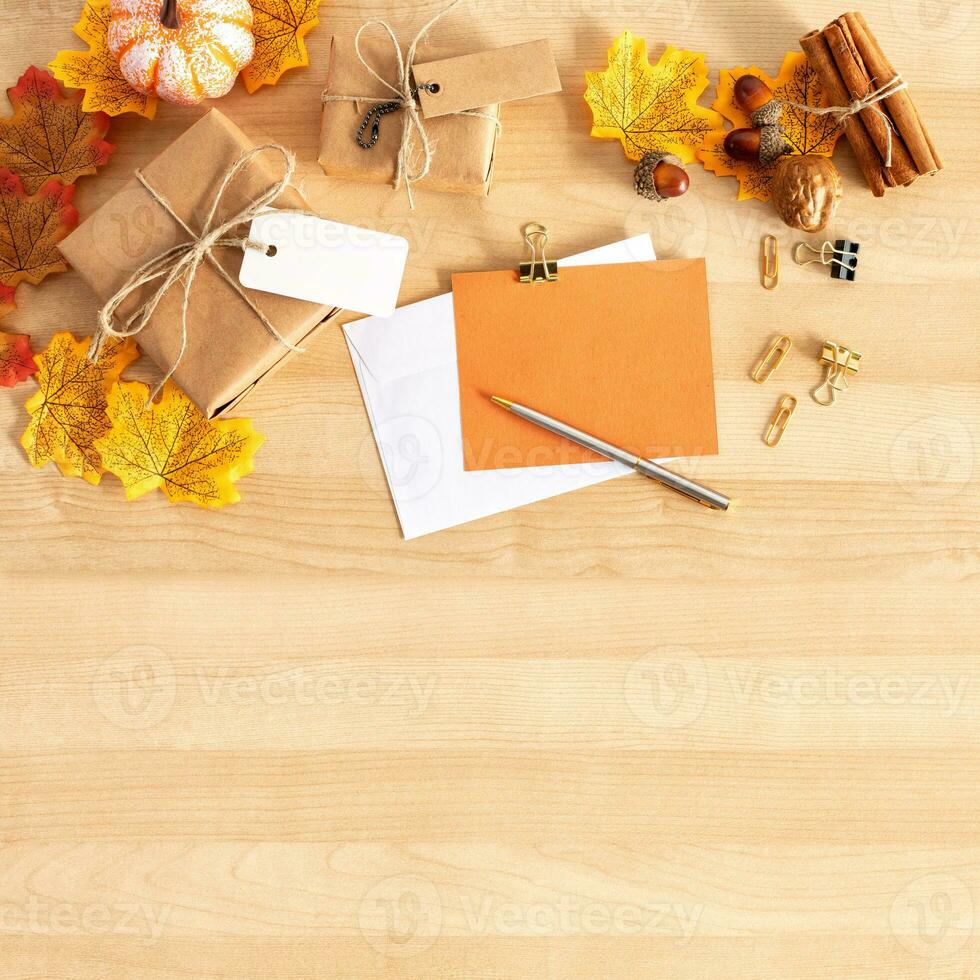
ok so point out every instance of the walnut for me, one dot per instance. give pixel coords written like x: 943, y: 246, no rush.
x: 805, y: 191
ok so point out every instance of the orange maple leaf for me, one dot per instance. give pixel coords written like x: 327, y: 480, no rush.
x: 31, y: 227
x: 279, y: 27
x: 6, y: 300
x: 805, y: 132
x: 49, y: 134
x: 97, y: 71
x: 16, y: 359
x: 69, y: 410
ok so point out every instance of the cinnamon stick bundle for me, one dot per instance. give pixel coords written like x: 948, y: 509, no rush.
x: 851, y: 65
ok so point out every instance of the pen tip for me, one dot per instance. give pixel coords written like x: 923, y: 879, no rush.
x: 502, y: 402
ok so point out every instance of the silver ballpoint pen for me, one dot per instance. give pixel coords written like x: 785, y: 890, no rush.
x: 703, y: 495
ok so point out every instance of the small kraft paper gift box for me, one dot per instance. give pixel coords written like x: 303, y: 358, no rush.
x: 229, y: 349
x: 432, y: 122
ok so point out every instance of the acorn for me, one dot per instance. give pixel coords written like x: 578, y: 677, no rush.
x: 743, y: 144
x: 762, y: 143
x: 765, y: 141
x: 659, y: 176
x: 751, y: 93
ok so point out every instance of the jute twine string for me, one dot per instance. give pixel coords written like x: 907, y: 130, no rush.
x: 182, y: 261
x: 412, y: 124
x: 868, y: 101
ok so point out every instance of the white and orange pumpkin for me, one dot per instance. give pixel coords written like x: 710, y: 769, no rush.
x: 184, y: 51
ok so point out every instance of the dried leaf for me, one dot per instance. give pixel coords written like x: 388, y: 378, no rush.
x: 806, y: 132
x: 16, y: 359
x: 68, y: 413
x: 172, y: 445
x: 97, y: 71
x: 650, y: 108
x: 6, y: 300
x: 50, y: 135
x: 31, y: 227
x: 279, y: 27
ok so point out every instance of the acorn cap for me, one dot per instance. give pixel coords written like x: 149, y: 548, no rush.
x: 772, y: 144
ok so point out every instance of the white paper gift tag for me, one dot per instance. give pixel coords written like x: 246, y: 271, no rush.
x: 325, y: 262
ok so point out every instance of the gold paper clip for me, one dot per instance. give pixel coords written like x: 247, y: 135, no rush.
x: 539, y: 269
x: 771, y: 360
x: 840, y: 362
x: 770, y: 262
x: 784, y: 411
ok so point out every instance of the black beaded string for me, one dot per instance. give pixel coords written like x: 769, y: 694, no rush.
x: 382, y: 109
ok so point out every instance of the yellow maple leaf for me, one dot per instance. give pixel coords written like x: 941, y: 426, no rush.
x: 650, y: 108
x: 805, y: 132
x: 171, y: 445
x: 68, y: 412
x: 96, y: 70
x: 279, y: 27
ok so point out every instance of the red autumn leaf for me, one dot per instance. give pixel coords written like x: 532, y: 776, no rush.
x: 31, y: 225
x: 6, y: 300
x: 50, y: 135
x: 16, y: 359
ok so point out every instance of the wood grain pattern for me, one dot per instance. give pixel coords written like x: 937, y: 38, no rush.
x: 607, y: 735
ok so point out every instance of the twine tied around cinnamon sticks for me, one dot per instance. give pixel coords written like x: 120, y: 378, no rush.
x: 181, y: 262
x: 868, y: 101
x: 405, y: 99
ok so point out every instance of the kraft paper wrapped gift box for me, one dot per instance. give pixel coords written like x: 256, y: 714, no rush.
x: 229, y: 351
x: 463, y: 146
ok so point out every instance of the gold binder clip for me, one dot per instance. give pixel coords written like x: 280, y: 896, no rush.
x: 840, y: 362
x: 540, y: 268
x: 770, y: 262
x: 784, y: 411
x: 762, y: 372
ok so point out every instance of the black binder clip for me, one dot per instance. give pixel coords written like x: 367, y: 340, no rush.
x: 841, y: 256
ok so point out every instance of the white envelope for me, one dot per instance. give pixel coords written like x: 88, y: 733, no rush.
x: 406, y: 367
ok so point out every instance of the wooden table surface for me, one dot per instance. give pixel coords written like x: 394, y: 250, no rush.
x: 607, y: 735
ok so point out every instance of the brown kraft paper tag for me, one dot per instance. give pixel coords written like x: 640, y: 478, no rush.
x: 519, y: 71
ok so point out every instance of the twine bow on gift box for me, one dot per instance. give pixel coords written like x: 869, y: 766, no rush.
x: 182, y: 261
x: 405, y: 99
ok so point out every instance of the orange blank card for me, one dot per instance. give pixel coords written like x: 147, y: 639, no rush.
x: 620, y: 351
